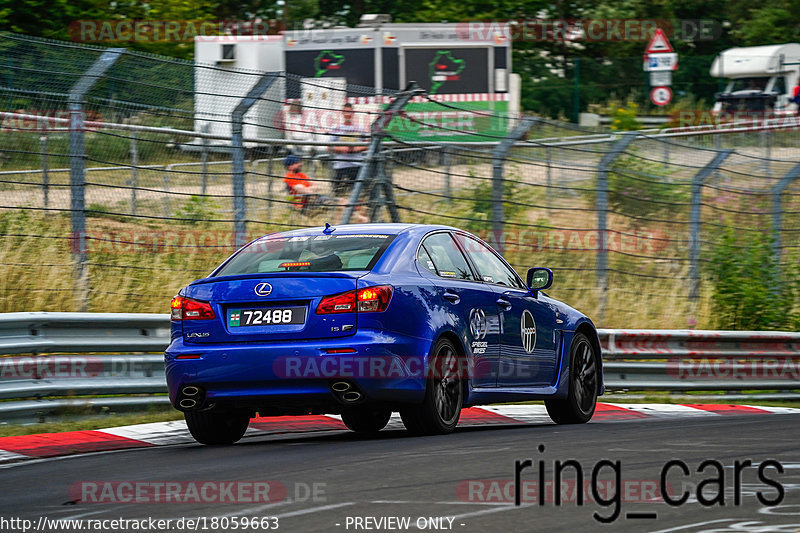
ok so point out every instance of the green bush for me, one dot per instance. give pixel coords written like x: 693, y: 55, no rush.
x: 750, y: 290
x: 624, y: 118
x: 642, y: 189
x: 480, y: 204
x: 197, y: 210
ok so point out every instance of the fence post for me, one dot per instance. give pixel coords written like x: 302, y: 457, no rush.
x: 377, y: 200
x: 548, y: 155
x: 45, y: 170
x: 499, y: 154
x: 237, y: 147
x: 134, y: 183
x: 448, y: 187
x: 77, y: 178
x: 576, y: 91
x: 272, y: 151
x: 602, y: 223
x: 204, y: 159
x: 367, y: 170
x: 777, y: 213
x: 694, y: 221
x: 167, y: 208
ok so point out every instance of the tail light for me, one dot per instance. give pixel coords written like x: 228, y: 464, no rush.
x: 367, y: 300
x: 374, y: 299
x: 182, y: 308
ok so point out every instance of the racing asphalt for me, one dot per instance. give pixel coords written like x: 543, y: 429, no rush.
x: 396, y: 475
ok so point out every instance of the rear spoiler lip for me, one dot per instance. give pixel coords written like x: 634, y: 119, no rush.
x: 347, y: 274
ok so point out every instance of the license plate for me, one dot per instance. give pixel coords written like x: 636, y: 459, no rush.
x: 273, y: 316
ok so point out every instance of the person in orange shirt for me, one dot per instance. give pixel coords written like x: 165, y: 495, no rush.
x: 304, y: 193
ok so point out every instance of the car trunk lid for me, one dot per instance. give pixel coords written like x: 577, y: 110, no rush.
x: 270, y: 307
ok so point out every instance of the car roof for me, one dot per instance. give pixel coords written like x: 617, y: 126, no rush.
x: 376, y: 228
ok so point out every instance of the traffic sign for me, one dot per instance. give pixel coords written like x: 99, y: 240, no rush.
x: 660, y: 77
x: 660, y: 61
x: 659, y: 43
x: 661, y: 95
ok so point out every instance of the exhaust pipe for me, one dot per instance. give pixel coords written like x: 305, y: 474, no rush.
x: 351, y: 396
x: 191, y: 390
x: 188, y: 403
x: 340, y: 386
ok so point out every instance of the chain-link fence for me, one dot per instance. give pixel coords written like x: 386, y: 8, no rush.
x: 124, y: 176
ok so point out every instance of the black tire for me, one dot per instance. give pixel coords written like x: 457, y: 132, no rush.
x: 208, y: 427
x: 366, y: 419
x: 444, y: 395
x: 580, y: 403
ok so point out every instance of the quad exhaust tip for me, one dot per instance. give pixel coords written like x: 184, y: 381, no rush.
x: 340, y: 386
x: 351, y: 396
x: 191, y: 391
x: 188, y: 403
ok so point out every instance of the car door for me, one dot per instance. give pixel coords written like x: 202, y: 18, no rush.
x: 527, y: 325
x: 470, y: 304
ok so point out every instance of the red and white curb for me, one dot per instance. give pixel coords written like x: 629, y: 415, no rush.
x: 23, y: 447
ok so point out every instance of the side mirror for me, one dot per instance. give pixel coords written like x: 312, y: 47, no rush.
x: 539, y: 278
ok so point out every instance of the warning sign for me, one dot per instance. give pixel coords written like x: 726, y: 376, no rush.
x: 659, y: 43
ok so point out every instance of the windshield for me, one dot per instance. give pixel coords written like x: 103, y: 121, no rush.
x: 749, y: 84
x: 320, y: 253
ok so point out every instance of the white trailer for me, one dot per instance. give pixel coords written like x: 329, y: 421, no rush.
x: 325, y: 67
x: 760, y: 78
x: 235, y: 64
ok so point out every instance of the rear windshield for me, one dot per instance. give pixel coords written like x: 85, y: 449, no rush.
x: 320, y: 253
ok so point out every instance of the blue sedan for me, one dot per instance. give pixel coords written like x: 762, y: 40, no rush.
x: 366, y: 320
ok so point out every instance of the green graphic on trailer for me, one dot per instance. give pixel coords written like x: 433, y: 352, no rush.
x: 444, y: 67
x: 451, y: 121
x: 327, y: 60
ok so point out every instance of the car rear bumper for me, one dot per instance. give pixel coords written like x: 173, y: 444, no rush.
x: 292, y: 376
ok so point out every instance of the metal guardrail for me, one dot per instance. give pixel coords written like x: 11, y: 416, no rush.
x: 41, y: 332
x: 37, y: 386
x: 694, y: 360
x: 112, y: 361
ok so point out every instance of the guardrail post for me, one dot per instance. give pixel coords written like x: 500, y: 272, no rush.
x: 694, y: 221
x: 371, y: 160
x: 499, y: 154
x: 237, y: 146
x: 777, y: 214
x: 77, y: 169
x: 602, y: 218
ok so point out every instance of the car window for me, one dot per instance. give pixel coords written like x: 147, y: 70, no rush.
x: 425, y: 260
x: 448, y: 261
x: 318, y: 253
x: 491, y: 268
